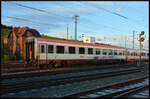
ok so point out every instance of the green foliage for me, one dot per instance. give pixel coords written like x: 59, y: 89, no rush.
x: 46, y: 36
x: 8, y: 58
x: 5, y: 30
x: 5, y: 56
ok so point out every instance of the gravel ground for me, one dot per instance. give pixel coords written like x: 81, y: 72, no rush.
x: 58, y: 76
x: 68, y: 89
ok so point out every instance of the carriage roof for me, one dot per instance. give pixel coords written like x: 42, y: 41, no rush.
x: 42, y: 39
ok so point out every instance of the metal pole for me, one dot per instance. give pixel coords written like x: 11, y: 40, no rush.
x: 140, y: 54
x: 76, y: 16
x: 125, y: 41
x: 133, y: 39
x: 126, y: 53
x: 67, y: 31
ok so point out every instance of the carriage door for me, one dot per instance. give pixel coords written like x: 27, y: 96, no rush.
x: 30, y: 50
x: 42, y: 51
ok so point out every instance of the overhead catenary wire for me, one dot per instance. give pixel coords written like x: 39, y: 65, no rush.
x: 23, y: 19
x: 48, y: 13
x: 41, y: 10
x: 125, y: 17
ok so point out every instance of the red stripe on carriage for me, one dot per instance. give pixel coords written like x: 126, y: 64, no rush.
x: 66, y: 59
x: 78, y: 59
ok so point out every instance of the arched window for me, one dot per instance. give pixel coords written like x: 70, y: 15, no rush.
x: 18, y: 45
x: 27, y: 33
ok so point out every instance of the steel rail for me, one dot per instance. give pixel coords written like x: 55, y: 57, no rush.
x: 40, y: 84
x: 111, y: 95
x: 44, y: 73
x: 131, y: 91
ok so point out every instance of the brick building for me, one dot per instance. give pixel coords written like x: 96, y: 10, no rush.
x: 16, y: 39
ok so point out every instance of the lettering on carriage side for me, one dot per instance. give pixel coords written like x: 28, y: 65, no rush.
x: 81, y: 56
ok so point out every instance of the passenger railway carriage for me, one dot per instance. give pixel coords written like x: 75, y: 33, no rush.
x: 52, y: 51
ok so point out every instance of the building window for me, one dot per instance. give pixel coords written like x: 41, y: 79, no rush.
x: 98, y: 51
x: 60, y: 49
x: 81, y: 50
x: 27, y: 33
x: 42, y: 49
x: 90, y: 50
x: 50, y: 48
x: 72, y: 50
x: 18, y: 45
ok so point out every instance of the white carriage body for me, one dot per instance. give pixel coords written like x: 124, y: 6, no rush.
x: 66, y: 56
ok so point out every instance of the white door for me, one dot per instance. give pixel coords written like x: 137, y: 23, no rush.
x: 42, y: 52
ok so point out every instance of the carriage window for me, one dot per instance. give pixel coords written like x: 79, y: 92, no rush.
x: 115, y: 52
x: 60, y: 49
x: 81, y: 50
x: 128, y: 53
x: 90, y: 50
x: 98, y: 51
x: 104, y: 51
x: 141, y: 54
x: 50, y: 48
x: 42, y: 49
x: 120, y: 53
x: 72, y: 50
x: 110, y: 52
x: 124, y: 52
x: 136, y: 54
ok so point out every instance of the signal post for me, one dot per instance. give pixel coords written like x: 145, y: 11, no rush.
x: 141, y: 39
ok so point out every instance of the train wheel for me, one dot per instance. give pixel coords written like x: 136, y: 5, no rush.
x: 57, y: 64
x: 63, y: 63
x: 51, y: 64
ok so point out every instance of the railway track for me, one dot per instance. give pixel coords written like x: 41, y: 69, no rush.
x: 16, y: 87
x: 65, y: 70
x: 142, y: 94
x: 22, y: 67
x: 62, y: 91
x: 126, y: 89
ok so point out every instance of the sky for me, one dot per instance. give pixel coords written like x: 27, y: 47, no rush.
x: 110, y: 22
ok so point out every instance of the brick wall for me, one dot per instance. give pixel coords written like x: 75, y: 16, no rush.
x: 17, y: 47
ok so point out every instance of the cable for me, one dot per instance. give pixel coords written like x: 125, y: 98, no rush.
x: 69, y: 17
x: 118, y: 15
x: 22, y: 19
x: 21, y: 5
